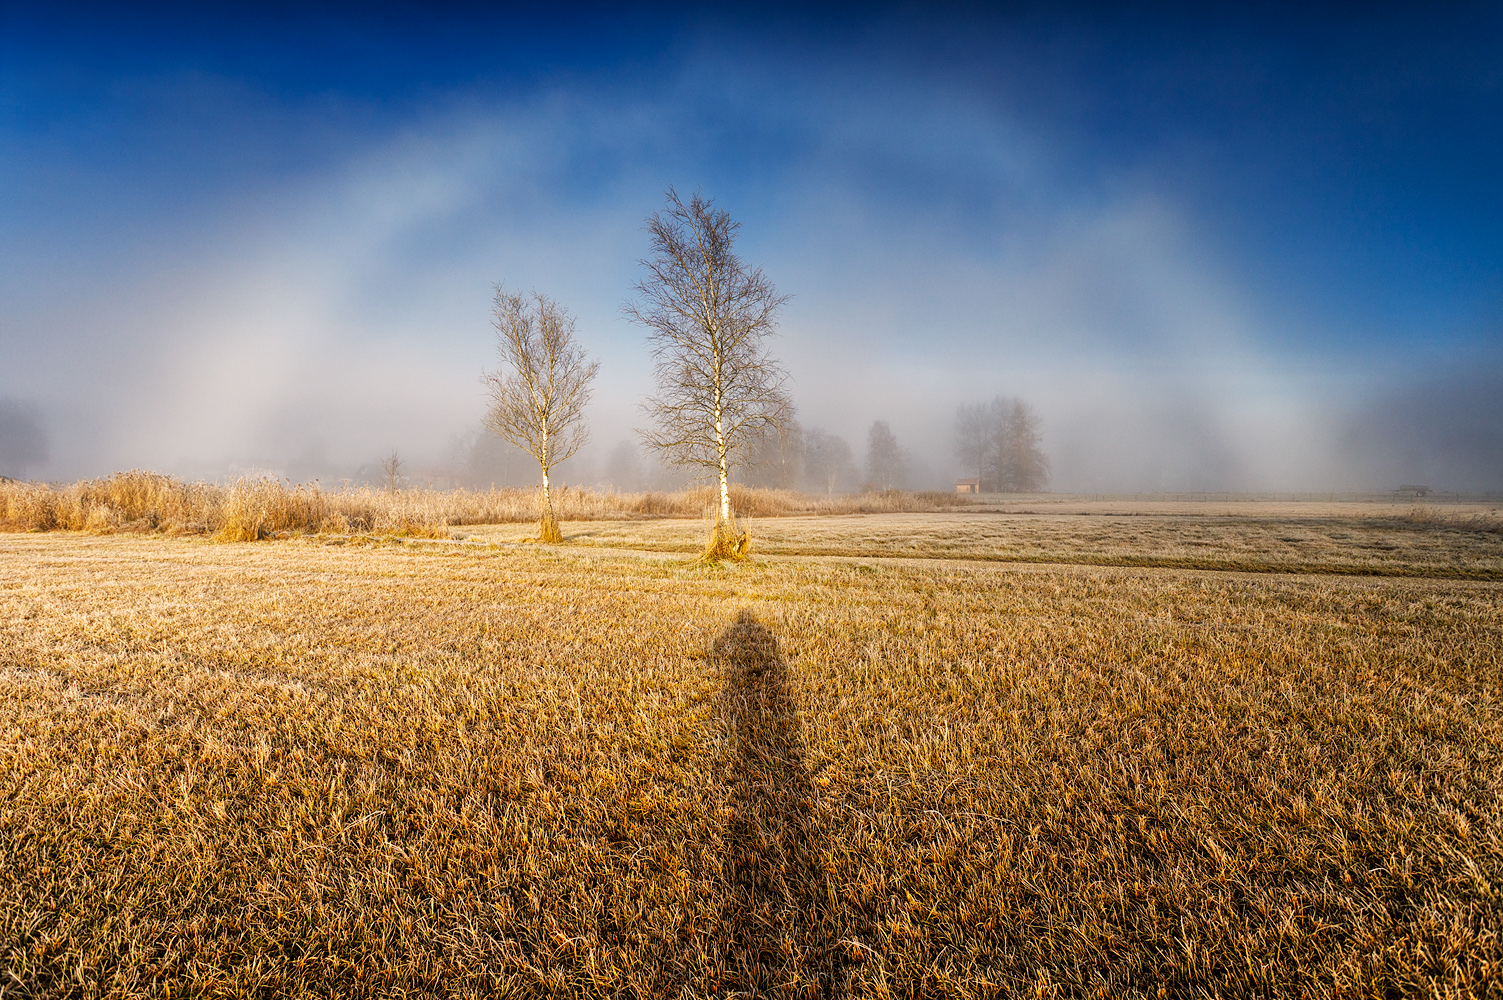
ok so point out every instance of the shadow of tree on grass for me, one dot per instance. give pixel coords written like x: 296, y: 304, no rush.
x: 783, y: 934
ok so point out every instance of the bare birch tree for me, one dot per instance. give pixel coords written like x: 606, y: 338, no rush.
x: 709, y: 317
x: 539, y: 393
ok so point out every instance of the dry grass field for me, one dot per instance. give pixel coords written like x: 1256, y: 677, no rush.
x: 1361, y: 539
x: 362, y: 766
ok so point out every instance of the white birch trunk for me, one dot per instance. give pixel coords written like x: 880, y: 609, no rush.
x: 725, y: 493
x: 543, y: 460
x: 725, y: 482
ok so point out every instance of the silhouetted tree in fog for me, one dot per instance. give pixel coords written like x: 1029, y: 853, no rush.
x: 828, y: 462
x: 710, y: 317
x: 884, y: 459
x: 1000, y: 441
x: 539, y: 394
x: 974, y: 437
x: 775, y: 457
x: 391, y: 471
x: 624, y: 468
x: 23, y: 443
x: 1021, y: 465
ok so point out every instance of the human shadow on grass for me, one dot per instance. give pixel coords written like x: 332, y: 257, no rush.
x: 781, y: 924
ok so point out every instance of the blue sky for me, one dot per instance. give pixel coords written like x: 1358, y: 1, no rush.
x: 1261, y: 249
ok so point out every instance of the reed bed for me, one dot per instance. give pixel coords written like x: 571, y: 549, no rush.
x: 251, y: 509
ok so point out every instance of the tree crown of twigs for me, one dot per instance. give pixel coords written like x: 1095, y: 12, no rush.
x: 539, y: 394
x: 709, y: 317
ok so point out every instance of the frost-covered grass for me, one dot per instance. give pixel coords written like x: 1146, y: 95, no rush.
x: 443, y: 768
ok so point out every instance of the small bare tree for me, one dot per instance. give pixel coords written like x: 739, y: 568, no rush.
x: 539, y: 393
x: 391, y: 471
x: 709, y: 317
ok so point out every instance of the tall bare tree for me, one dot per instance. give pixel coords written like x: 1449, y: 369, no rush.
x: 539, y: 393
x: 1020, y: 463
x: 709, y: 318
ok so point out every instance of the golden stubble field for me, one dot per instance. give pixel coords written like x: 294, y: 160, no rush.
x: 346, y: 767
x: 1344, y: 538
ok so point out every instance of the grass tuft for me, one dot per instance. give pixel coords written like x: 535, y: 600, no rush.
x: 728, y: 542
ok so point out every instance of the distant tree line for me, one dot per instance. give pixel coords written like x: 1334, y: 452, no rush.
x: 818, y: 461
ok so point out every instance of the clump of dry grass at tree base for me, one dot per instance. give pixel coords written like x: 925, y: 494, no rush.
x: 307, y: 769
x: 728, y: 540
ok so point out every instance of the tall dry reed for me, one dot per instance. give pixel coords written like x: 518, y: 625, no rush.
x: 126, y: 501
x: 251, y: 509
